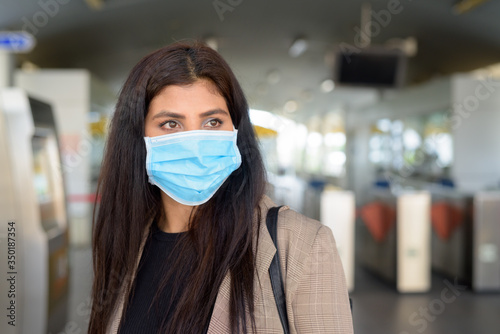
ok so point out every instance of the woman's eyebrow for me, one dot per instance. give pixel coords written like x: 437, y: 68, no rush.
x: 170, y: 114
x: 213, y: 112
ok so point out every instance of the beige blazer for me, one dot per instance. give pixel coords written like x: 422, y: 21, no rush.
x: 314, y: 282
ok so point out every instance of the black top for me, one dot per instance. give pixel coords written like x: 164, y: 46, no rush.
x: 142, y: 316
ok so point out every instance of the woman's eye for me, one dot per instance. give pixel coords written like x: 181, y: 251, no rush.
x: 170, y: 124
x: 213, y: 123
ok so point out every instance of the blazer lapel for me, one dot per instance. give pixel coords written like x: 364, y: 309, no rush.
x: 220, y: 322
x: 266, y: 250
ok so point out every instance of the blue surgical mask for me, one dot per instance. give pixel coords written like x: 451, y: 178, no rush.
x: 191, y: 166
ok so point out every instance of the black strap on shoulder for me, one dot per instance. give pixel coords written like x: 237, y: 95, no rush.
x: 275, y: 269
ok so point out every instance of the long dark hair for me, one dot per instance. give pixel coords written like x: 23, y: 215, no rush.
x: 221, y: 231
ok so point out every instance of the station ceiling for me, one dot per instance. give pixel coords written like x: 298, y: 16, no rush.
x: 109, y: 36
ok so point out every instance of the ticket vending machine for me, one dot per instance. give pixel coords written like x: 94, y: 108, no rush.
x: 33, y: 223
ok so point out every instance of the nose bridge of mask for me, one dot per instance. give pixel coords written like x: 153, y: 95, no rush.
x: 193, y: 134
x: 193, y: 147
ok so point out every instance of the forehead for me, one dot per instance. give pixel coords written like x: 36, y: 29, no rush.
x: 201, y: 94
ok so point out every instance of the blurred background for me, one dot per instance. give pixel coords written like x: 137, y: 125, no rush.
x: 379, y: 118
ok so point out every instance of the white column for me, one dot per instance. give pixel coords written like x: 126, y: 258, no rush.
x: 6, y: 68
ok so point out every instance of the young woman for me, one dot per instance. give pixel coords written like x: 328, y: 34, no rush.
x: 180, y: 241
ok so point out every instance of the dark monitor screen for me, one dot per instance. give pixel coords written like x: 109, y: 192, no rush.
x: 379, y: 69
x: 43, y: 115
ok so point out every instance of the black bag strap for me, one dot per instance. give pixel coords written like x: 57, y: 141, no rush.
x: 275, y: 269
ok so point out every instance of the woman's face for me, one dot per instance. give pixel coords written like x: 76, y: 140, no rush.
x: 184, y: 108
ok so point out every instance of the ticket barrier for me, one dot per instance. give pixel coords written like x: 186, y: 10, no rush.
x: 486, y: 242
x: 466, y: 238
x: 395, y: 238
x: 338, y: 211
x: 33, y: 225
x: 451, y: 219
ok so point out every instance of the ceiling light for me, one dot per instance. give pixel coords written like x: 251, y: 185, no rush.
x: 464, y: 6
x: 29, y: 66
x: 94, y: 4
x: 299, y: 46
x: 409, y: 46
x: 212, y: 43
x: 327, y: 86
x: 291, y: 106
